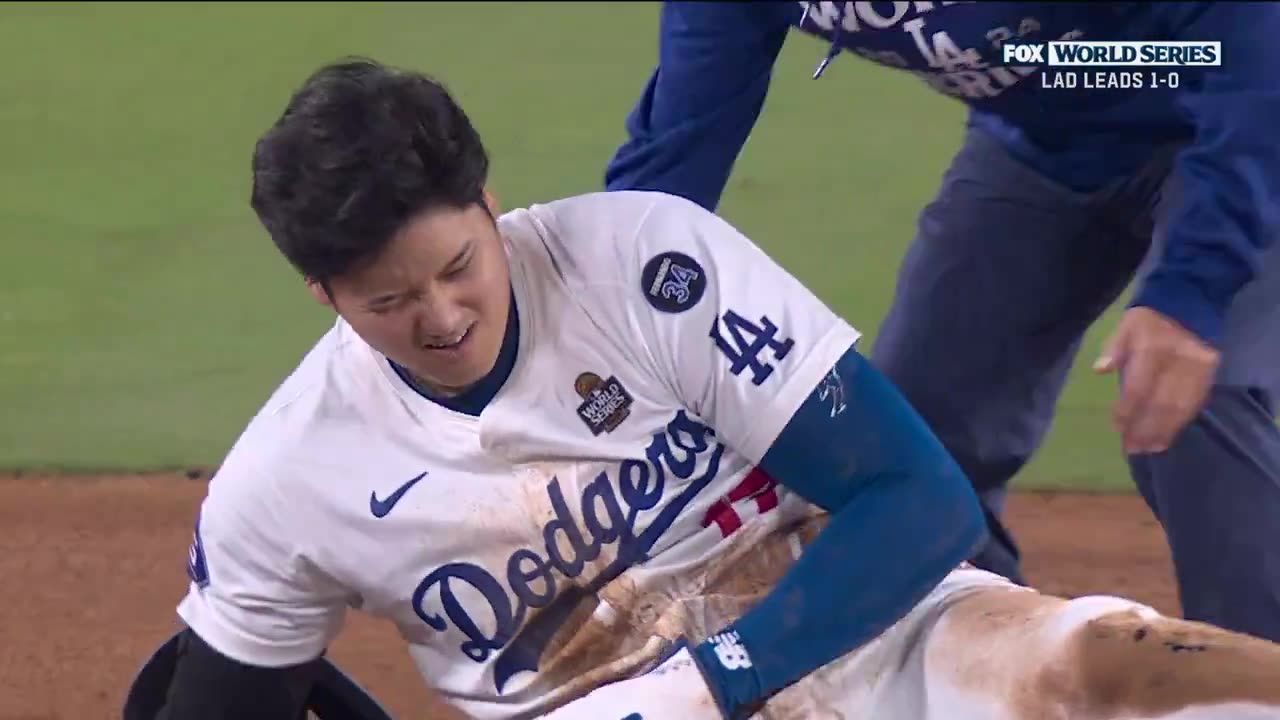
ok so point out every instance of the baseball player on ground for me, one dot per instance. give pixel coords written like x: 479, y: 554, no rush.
x: 1056, y: 201
x: 602, y: 458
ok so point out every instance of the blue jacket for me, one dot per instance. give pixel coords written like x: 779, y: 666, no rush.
x: 716, y: 61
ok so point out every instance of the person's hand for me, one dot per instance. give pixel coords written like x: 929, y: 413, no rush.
x: 1166, y: 373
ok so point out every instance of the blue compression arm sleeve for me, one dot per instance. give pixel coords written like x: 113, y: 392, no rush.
x: 715, y: 62
x: 1229, y: 211
x: 903, y: 515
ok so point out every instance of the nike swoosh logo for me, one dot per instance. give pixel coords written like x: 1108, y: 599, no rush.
x: 380, y: 508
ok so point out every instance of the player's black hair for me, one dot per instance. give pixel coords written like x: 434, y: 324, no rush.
x: 361, y: 149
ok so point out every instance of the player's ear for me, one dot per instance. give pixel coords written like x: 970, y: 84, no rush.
x: 320, y: 293
x: 491, y: 202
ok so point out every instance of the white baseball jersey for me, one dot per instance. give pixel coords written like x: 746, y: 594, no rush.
x: 538, y: 548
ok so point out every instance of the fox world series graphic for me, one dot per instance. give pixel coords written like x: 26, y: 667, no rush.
x: 1106, y: 65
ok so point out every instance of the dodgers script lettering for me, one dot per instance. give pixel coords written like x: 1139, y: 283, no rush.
x: 535, y: 578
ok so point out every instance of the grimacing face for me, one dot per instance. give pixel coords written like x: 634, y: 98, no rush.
x: 436, y: 300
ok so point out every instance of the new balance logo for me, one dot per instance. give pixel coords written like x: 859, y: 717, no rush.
x: 729, y: 651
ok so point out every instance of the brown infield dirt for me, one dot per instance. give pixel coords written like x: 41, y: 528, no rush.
x: 91, y: 569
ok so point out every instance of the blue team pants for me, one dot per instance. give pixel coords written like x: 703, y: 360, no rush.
x: 1007, y: 271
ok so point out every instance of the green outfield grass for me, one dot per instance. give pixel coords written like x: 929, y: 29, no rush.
x: 143, y: 313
